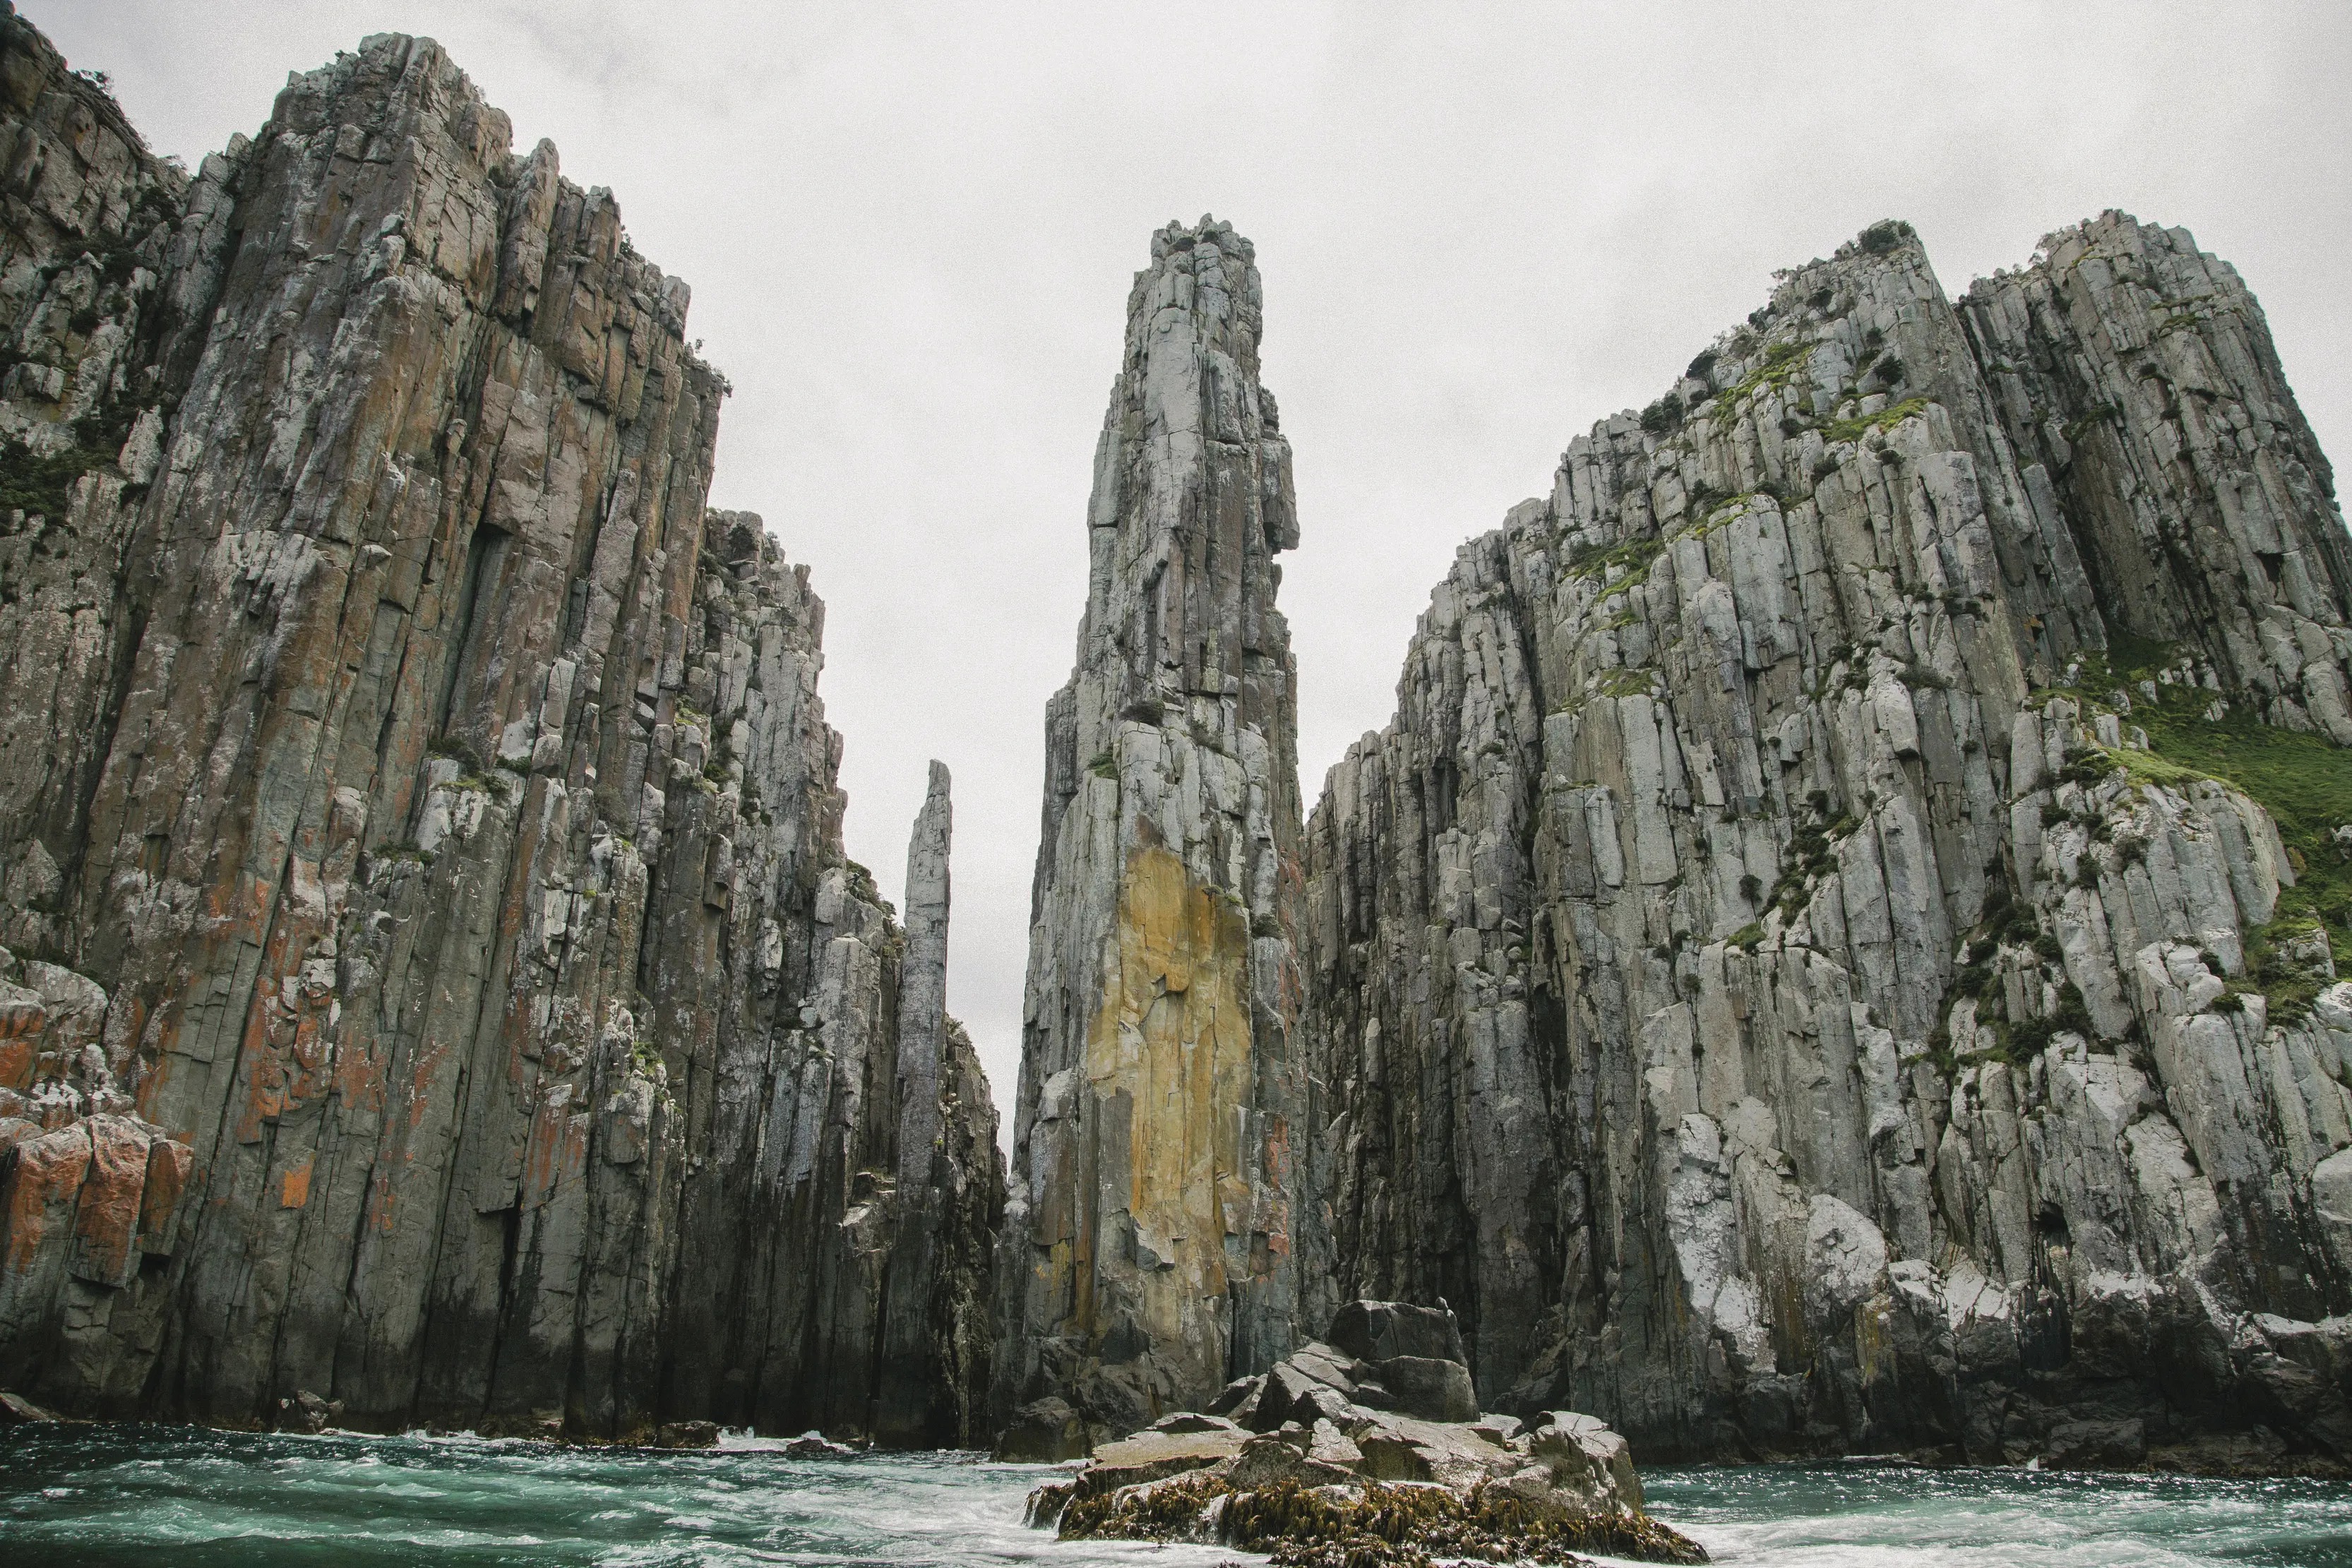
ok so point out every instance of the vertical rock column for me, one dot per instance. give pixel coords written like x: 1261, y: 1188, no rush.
x: 1766, y: 979
x: 1151, y: 1250
x: 436, y: 983
x: 903, y: 1396
x: 2137, y: 372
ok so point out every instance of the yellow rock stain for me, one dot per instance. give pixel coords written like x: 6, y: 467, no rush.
x: 1173, y: 1032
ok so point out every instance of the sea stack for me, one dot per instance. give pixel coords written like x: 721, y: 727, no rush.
x: 1151, y: 1246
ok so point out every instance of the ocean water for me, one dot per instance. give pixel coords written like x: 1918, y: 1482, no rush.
x: 161, y: 1497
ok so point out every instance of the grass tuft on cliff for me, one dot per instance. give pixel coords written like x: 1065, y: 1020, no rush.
x: 2303, y: 780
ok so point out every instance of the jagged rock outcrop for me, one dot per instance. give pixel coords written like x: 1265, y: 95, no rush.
x: 1153, y: 1242
x: 1808, y: 968
x: 438, y: 988
x: 1316, y: 1461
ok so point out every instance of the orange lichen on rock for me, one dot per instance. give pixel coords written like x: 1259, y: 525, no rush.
x: 169, y: 1163
x: 22, y: 1017
x: 558, y: 1148
x: 42, y: 1184
x: 294, y: 1190
x: 106, y: 1217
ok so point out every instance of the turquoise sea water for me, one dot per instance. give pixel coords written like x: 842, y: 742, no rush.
x: 160, y: 1497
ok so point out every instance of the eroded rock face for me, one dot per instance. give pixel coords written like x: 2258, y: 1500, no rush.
x: 1775, y: 1020
x: 1151, y: 1248
x: 440, y: 990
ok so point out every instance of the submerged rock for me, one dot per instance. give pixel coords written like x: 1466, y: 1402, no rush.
x: 15, y: 1410
x: 306, y: 1412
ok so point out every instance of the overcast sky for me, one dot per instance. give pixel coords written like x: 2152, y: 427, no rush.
x: 910, y: 233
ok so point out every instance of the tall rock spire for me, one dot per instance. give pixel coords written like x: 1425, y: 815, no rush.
x: 905, y: 1408
x: 1150, y: 1245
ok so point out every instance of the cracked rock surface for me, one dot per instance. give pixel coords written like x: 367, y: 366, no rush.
x: 1153, y: 1244
x: 435, y: 988
x: 1309, y: 1457
x: 1762, y: 978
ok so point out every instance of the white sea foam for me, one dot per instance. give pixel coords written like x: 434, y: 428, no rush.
x: 70, y: 1494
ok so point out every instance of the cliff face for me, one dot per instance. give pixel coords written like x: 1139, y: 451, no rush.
x: 1151, y: 1248
x: 1836, y: 950
x: 437, y: 982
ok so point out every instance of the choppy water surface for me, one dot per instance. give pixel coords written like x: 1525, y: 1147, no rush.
x: 167, y: 1496
x: 1862, y: 1516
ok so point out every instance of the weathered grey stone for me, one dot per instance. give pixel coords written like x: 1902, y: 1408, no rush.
x: 1046, y: 1431
x: 1586, y: 1460
x: 1571, y: 1480
x: 1291, y: 1393
x: 1157, y: 1228
x: 1149, y: 1455
x: 15, y: 1410
x: 1652, y: 986
x: 1188, y: 1421
x: 1240, y: 1393
x: 1272, y: 1460
x: 1375, y: 1331
x: 443, y: 986
x: 1429, y: 1389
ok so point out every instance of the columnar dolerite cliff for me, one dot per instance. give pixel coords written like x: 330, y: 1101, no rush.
x: 436, y: 982
x: 1153, y: 1242
x: 1836, y: 950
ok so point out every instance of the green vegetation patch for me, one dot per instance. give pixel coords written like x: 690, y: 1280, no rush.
x: 2148, y: 768
x: 2289, y: 985
x: 1626, y: 682
x: 44, y: 483
x: 1884, y: 418
x: 1663, y: 416
x: 1780, y: 365
x: 1884, y: 236
x: 2303, y: 781
x: 2107, y: 414
x: 1811, y: 855
x: 1633, y: 555
x: 1711, y: 512
x: 2301, y: 778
